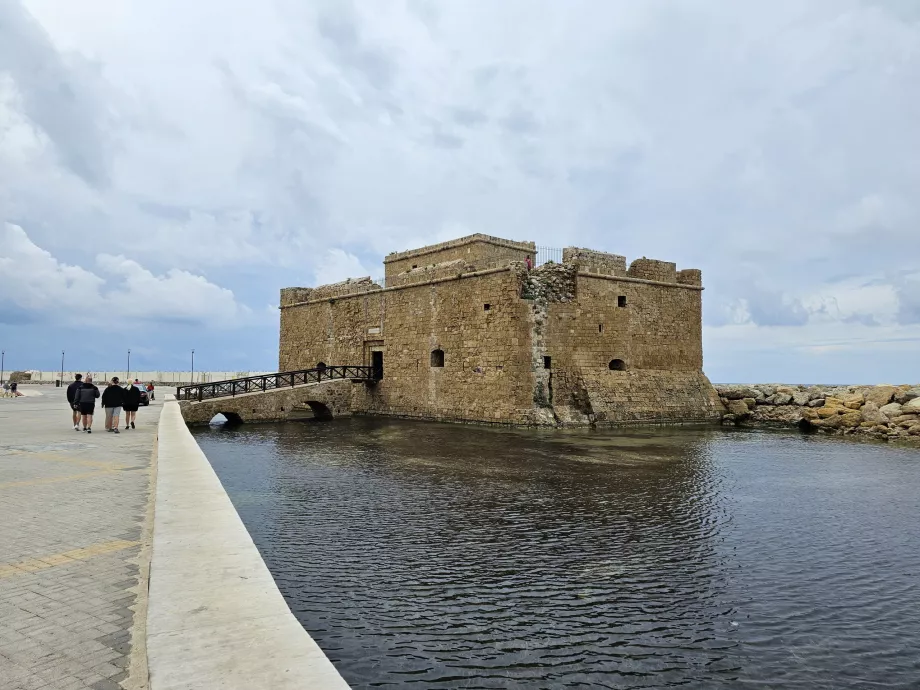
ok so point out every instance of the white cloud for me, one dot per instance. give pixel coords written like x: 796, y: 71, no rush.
x: 770, y: 143
x: 338, y: 265
x: 35, y: 282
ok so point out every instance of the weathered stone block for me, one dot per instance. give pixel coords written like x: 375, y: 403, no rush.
x: 801, y: 397
x: 881, y: 395
x: 872, y: 414
x: 911, y: 407
x: 891, y: 410
x: 738, y: 408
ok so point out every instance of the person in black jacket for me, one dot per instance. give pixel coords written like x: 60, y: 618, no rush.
x: 113, y: 397
x: 132, y: 402
x: 72, y: 401
x: 85, y: 396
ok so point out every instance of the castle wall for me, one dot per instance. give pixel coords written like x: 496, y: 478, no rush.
x: 479, y: 251
x: 332, y: 331
x: 487, y: 369
x: 540, y: 352
x: 657, y: 335
x: 592, y: 261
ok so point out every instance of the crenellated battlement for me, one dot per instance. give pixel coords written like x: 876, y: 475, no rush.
x: 480, y: 251
x: 593, y: 261
x: 652, y: 269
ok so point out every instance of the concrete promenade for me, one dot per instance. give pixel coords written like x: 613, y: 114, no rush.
x: 78, y: 539
x: 72, y: 513
x: 216, y: 618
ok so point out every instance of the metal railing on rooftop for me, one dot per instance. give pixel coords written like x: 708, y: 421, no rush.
x: 546, y: 255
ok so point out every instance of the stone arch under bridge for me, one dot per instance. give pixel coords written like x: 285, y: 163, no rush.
x: 324, y: 400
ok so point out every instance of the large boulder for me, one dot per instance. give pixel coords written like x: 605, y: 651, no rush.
x: 779, y: 398
x: 816, y: 402
x: 801, y: 398
x: 881, y: 395
x: 785, y: 415
x: 872, y: 414
x: 738, y: 409
x: 911, y: 407
x: 832, y: 406
x: 816, y: 392
x: 891, y: 410
x: 849, y: 420
x: 854, y: 400
x: 736, y: 392
x: 905, y: 396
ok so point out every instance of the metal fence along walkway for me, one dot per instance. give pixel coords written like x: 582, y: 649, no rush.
x: 267, y: 382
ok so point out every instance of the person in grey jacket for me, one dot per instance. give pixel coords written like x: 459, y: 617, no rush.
x: 86, y: 396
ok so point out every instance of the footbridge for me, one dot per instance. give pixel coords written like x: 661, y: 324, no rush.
x: 323, y: 392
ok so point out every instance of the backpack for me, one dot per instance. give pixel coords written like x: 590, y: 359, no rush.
x: 86, y: 394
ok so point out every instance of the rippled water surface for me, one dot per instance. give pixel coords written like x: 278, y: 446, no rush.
x: 440, y: 556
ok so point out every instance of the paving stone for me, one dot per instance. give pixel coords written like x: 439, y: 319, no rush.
x: 70, y: 520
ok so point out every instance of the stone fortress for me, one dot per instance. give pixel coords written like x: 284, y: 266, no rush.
x: 469, y: 331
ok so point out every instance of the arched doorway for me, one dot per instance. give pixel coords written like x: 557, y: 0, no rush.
x: 617, y: 365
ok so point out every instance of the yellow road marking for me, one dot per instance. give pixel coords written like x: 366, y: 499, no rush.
x: 54, y: 480
x: 95, y: 464
x: 30, y: 565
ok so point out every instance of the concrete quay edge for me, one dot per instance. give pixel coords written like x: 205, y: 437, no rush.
x: 215, y: 617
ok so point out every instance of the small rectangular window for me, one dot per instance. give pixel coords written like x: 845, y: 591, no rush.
x: 621, y: 301
x: 600, y: 328
x: 486, y: 307
x: 547, y: 362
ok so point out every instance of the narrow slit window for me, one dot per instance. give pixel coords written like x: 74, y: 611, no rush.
x: 547, y: 362
x: 600, y: 328
x: 621, y: 301
x: 437, y: 358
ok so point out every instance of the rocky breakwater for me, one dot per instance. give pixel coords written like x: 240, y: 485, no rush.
x: 885, y: 412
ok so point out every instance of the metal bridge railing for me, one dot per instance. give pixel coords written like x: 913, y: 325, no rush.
x: 546, y: 255
x: 267, y: 382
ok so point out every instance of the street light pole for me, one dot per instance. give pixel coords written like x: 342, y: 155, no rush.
x: 2, y: 360
x: 193, y: 365
x: 129, y: 363
x: 62, y: 367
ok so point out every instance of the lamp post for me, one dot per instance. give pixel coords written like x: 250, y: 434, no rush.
x: 62, y: 367
x: 129, y: 364
x: 2, y: 360
x: 193, y: 365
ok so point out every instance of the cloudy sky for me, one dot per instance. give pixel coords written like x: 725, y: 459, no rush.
x: 166, y: 167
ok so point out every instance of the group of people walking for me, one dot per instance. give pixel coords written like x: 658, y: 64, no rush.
x: 83, y: 393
